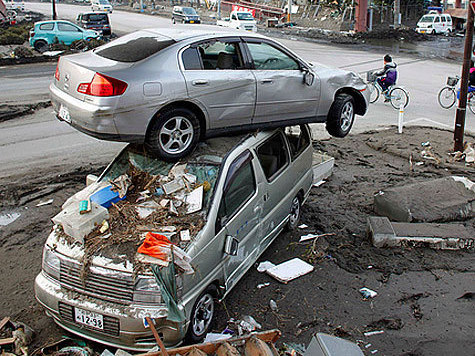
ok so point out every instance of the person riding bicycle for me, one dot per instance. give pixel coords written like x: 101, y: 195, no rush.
x: 388, y: 75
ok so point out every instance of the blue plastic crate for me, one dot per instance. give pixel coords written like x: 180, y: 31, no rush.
x: 105, y: 197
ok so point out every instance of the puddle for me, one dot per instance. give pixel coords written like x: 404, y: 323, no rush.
x: 8, y: 218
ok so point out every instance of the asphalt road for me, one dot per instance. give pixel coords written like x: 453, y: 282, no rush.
x: 42, y: 135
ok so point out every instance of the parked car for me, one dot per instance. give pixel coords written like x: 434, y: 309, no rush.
x: 44, y: 33
x: 185, y: 15
x: 257, y: 185
x: 15, y: 5
x: 240, y: 20
x: 184, y: 86
x: 101, y: 5
x: 97, y: 21
x: 434, y: 23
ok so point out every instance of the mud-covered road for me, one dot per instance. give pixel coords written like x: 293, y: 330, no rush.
x: 418, y: 303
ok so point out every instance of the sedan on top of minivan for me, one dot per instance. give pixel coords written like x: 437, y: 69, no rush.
x: 171, y: 88
x: 45, y: 33
x: 256, y: 187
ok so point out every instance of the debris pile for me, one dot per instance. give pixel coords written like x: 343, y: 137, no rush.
x: 15, y: 337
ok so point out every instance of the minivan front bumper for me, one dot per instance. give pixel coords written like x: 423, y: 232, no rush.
x: 123, y: 324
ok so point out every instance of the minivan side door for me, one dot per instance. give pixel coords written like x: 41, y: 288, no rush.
x: 281, y: 90
x: 239, y: 215
x: 217, y: 77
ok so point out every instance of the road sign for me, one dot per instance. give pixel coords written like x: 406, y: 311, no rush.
x: 472, y: 4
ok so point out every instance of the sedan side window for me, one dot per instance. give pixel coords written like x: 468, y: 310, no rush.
x: 298, y: 138
x: 67, y: 27
x: 239, y: 187
x: 273, y: 156
x: 47, y: 26
x: 219, y: 54
x: 191, y: 59
x: 267, y: 57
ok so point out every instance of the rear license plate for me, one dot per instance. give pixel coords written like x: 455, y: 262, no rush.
x: 192, y: 21
x: 88, y: 318
x: 64, y: 114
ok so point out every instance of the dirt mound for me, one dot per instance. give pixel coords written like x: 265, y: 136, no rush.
x: 393, y: 34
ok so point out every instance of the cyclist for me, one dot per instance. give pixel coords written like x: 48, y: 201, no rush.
x: 388, y: 75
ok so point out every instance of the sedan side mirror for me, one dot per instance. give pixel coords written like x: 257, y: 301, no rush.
x: 308, y: 78
x: 231, y: 245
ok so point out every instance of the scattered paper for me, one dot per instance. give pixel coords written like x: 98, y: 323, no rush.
x: 47, y: 202
x: 308, y: 237
x: 178, y: 170
x: 303, y: 226
x: 264, y: 266
x: 289, y: 270
x: 191, y: 178
x: 319, y: 183
x: 263, y: 285
x: 104, y: 227
x: 8, y: 218
x: 185, y: 235
x: 194, y: 200
x: 164, y: 202
x: 145, y: 209
x: 212, y: 337
x: 173, y: 186
x: 167, y: 228
x: 368, y: 293
x: 173, y: 209
x: 371, y: 333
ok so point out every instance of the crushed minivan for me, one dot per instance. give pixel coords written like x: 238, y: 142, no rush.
x: 155, y: 239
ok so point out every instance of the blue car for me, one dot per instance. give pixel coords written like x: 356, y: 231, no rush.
x: 44, y: 33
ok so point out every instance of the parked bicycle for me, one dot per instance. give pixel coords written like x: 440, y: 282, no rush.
x: 448, y: 95
x: 396, y: 94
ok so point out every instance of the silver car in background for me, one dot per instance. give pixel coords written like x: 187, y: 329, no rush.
x: 170, y: 88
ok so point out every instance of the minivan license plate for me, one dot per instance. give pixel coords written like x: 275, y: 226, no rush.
x: 88, y: 318
x: 64, y: 114
x: 192, y: 21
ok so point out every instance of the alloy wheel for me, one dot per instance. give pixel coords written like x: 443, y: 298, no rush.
x: 176, y: 135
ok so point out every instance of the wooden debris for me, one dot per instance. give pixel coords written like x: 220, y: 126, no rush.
x: 195, y: 352
x: 257, y: 347
x: 226, y: 349
x: 4, y: 322
x: 7, y: 341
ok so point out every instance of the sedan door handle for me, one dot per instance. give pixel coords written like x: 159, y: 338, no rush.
x: 266, y: 81
x: 200, y: 82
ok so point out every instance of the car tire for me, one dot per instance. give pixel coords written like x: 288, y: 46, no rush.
x: 295, y: 213
x: 201, y: 318
x: 341, y: 116
x: 173, y: 134
x: 41, y: 46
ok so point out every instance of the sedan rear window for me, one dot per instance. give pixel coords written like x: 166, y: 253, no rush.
x: 134, y: 47
x: 96, y: 18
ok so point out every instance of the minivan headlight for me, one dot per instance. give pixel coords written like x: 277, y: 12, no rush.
x: 51, y: 263
x: 147, y: 291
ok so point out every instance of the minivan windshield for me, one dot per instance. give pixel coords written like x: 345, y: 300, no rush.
x: 104, y: 2
x: 245, y: 16
x: 427, y: 18
x: 189, y: 11
x: 134, y: 47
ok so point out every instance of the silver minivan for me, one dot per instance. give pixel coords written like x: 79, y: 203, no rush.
x: 256, y: 187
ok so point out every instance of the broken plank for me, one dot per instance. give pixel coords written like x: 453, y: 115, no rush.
x: 7, y: 341
x: 4, y: 322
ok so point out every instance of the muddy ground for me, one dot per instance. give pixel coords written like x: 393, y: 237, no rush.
x: 418, y: 305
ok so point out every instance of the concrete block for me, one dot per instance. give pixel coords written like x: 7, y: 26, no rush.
x: 322, y: 166
x: 381, y: 232
x: 442, y: 200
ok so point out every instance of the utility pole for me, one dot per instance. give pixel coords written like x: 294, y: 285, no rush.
x: 397, y: 13
x: 219, y: 9
x: 54, y: 9
x: 462, y: 107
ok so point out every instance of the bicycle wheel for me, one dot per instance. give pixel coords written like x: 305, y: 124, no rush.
x: 375, y: 92
x: 398, y: 97
x: 471, y: 102
x: 447, y: 97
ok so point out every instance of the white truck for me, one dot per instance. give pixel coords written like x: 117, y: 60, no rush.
x: 241, y: 20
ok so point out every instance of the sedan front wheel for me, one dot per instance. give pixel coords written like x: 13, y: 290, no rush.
x: 341, y: 116
x: 173, y: 134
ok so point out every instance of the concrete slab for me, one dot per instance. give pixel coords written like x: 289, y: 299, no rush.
x: 385, y: 233
x: 438, y: 200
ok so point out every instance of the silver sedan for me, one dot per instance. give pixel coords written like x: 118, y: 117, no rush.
x: 171, y: 88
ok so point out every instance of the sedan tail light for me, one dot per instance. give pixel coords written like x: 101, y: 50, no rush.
x: 102, y: 85
x: 56, y: 73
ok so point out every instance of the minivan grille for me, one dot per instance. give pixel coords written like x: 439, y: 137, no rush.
x: 120, y: 290
x: 111, y: 325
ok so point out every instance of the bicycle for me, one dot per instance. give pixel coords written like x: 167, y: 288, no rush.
x: 448, y: 95
x: 397, y: 95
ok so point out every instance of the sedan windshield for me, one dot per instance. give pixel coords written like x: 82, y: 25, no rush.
x: 245, y: 16
x: 189, y: 11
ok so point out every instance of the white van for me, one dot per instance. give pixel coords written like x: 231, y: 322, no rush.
x: 101, y: 5
x: 434, y: 23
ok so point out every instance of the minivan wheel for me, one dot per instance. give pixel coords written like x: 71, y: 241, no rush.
x: 295, y: 213
x: 341, y: 116
x: 173, y: 134
x: 202, y: 315
x: 41, y: 46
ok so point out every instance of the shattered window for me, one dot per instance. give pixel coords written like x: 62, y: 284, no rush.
x: 298, y: 139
